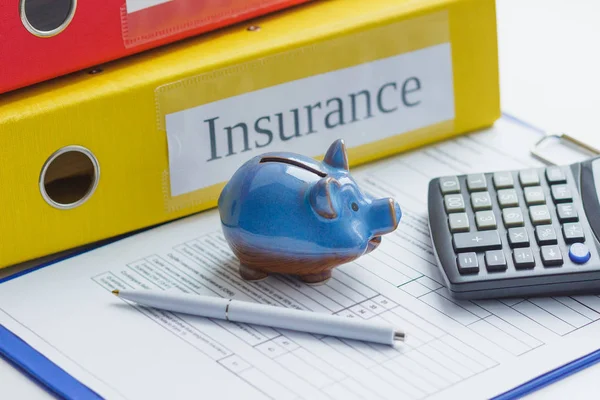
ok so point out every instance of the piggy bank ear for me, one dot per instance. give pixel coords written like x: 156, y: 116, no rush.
x: 323, y: 197
x: 336, y: 155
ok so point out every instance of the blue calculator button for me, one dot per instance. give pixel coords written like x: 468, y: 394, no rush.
x: 579, y: 253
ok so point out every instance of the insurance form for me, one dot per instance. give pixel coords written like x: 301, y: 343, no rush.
x: 454, y: 349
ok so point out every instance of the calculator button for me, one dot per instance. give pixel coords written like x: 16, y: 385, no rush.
x: 551, y: 255
x: 485, y: 220
x: 579, y: 253
x: 529, y: 177
x: 495, y: 260
x: 517, y: 237
x: 567, y: 213
x: 573, y: 233
x: 481, y: 201
x: 534, y: 195
x: 540, y: 215
x: 503, y: 180
x: 454, y: 203
x: 508, y: 198
x: 459, y: 222
x: 545, y: 234
x: 555, y: 175
x: 477, y: 241
x: 467, y: 263
x: 523, y: 258
x: 512, y: 217
x: 476, y: 182
x: 449, y: 184
x: 561, y: 194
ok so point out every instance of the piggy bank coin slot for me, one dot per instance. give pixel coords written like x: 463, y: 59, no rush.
x: 293, y: 162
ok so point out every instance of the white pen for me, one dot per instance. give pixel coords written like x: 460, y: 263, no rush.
x: 261, y: 314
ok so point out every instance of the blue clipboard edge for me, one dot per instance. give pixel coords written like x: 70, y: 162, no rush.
x: 34, y: 364
x: 525, y: 388
x: 56, y: 380
x: 30, y: 361
x: 551, y: 376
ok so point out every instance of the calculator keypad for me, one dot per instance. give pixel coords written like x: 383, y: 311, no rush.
x: 495, y: 260
x: 477, y: 241
x: 449, y: 185
x: 485, y: 220
x: 561, y: 194
x: 508, y: 198
x: 468, y: 263
x: 534, y: 195
x: 573, y: 232
x: 503, y: 180
x: 512, y: 217
x: 481, y: 201
x: 459, y: 222
x: 454, y: 203
x: 476, y: 182
x: 545, y: 234
x: 540, y: 215
x: 519, y: 220
x: 551, y: 255
x: 555, y: 175
x: 523, y: 258
x: 579, y: 253
x: 518, y: 237
x: 529, y: 178
x: 567, y: 213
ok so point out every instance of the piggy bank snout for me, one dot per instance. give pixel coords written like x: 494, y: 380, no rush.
x: 384, y: 216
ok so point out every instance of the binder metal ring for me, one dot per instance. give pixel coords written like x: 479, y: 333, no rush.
x: 45, y: 34
x: 91, y: 189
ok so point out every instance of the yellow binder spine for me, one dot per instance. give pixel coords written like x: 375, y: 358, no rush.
x: 153, y: 137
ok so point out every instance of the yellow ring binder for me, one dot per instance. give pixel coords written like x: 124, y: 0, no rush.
x: 69, y: 177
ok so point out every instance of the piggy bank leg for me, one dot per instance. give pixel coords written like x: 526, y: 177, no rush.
x: 251, y: 274
x: 316, y: 279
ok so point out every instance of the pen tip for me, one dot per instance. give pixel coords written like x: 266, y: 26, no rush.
x: 115, y: 292
x: 399, y: 335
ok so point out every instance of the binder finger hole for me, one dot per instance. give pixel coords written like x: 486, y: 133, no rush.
x: 69, y: 177
x: 45, y: 18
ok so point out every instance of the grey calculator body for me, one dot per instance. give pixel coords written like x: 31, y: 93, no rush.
x: 518, y: 233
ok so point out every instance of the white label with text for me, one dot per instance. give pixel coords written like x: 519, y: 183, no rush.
x: 360, y: 104
x: 137, y: 5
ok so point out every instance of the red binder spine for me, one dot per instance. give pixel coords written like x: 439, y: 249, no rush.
x: 44, y: 39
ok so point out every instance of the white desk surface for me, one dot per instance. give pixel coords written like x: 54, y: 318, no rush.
x: 535, y: 36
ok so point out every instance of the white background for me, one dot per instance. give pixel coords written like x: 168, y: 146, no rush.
x: 550, y: 63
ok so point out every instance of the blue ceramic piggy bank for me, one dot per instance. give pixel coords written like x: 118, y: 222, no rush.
x: 290, y: 214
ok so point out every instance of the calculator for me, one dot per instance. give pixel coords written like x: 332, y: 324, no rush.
x: 518, y: 233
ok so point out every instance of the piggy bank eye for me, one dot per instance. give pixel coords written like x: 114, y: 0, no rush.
x: 354, y: 206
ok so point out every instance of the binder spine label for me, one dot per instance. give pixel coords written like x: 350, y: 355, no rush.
x: 144, y: 21
x: 137, y: 5
x: 361, y: 104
